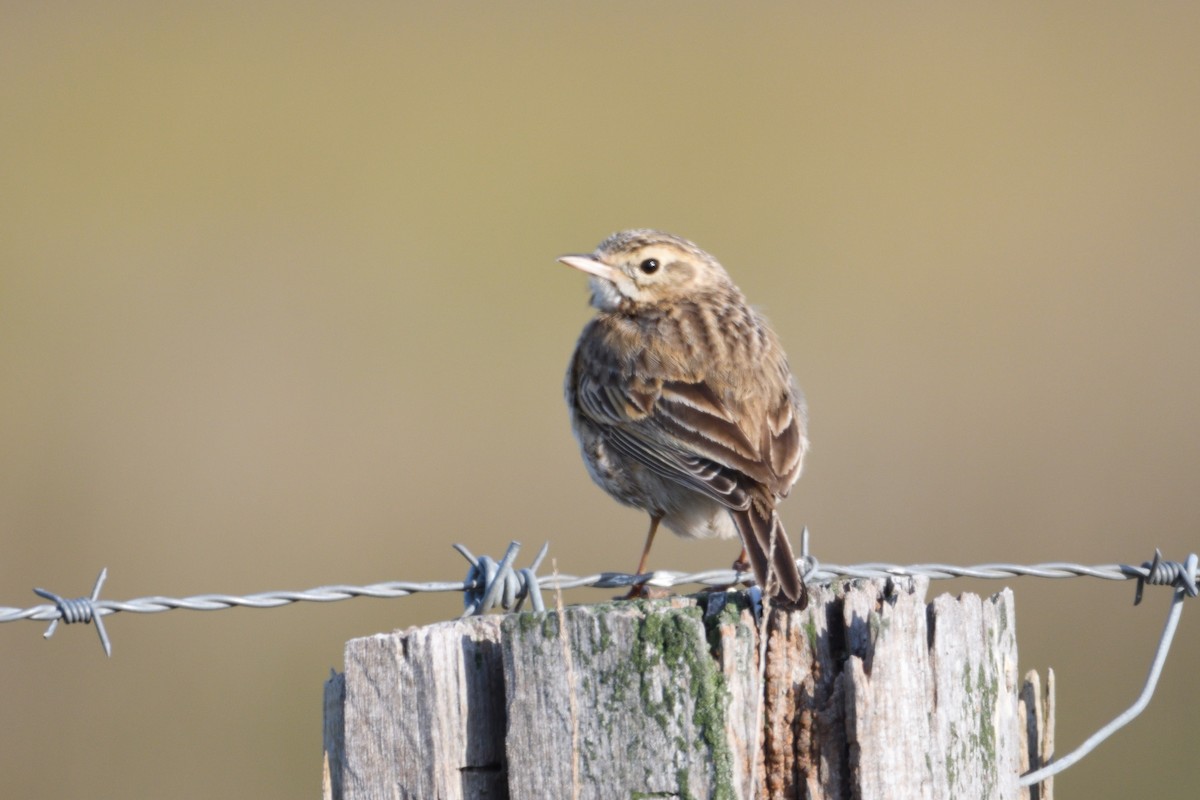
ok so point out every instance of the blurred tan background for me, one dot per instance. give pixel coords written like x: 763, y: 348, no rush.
x: 279, y: 308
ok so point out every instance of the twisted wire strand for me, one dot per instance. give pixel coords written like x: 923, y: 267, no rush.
x: 519, y: 585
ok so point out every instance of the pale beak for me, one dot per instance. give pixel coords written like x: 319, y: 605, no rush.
x: 591, y: 266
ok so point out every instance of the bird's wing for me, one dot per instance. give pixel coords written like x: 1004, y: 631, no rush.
x: 765, y: 442
x: 784, y: 437
x: 684, y: 431
x: 623, y: 412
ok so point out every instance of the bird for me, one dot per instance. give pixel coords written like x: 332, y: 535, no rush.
x: 683, y: 403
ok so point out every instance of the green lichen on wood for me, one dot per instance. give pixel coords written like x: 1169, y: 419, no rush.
x: 605, y: 640
x: 669, y: 637
x: 674, y: 640
x: 524, y: 623
x: 811, y: 634
x: 978, y: 742
x: 670, y: 666
x: 984, y: 737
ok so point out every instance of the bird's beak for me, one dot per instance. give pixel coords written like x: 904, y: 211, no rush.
x: 590, y: 265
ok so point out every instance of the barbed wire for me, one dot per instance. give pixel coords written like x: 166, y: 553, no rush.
x: 490, y: 584
x: 1183, y: 578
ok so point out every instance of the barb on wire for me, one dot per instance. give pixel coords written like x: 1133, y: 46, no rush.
x: 79, y: 609
x: 1167, y: 573
x: 488, y: 582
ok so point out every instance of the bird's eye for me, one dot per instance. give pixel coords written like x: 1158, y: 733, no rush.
x: 649, y: 266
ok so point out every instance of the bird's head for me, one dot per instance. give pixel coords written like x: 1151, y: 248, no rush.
x: 642, y: 268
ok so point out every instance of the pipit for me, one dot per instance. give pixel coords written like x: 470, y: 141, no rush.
x: 683, y: 403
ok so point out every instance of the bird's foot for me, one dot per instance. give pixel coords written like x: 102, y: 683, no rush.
x: 644, y: 591
x: 741, y: 566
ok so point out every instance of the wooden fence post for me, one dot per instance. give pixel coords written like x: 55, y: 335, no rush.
x: 870, y: 692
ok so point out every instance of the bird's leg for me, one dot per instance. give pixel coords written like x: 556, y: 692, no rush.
x: 654, y: 520
x: 640, y: 590
x: 742, y: 564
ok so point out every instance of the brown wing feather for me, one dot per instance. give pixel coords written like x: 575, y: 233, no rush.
x: 684, y: 430
x: 784, y: 440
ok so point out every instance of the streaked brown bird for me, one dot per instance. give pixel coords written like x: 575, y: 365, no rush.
x: 682, y: 400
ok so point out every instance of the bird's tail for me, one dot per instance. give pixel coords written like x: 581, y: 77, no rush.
x: 757, y: 525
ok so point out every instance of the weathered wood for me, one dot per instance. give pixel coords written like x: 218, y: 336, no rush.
x: 642, y: 706
x: 868, y: 693
x: 423, y: 714
x: 1036, y: 708
x: 334, y: 736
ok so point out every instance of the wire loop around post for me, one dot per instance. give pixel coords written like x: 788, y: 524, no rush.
x: 1183, y: 576
x: 1166, y: 573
